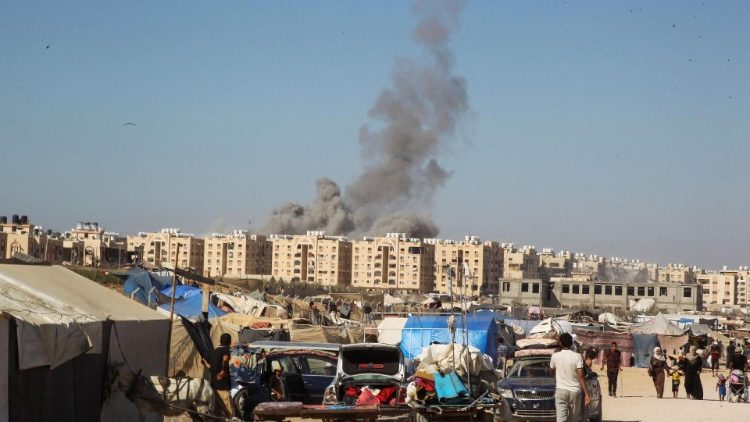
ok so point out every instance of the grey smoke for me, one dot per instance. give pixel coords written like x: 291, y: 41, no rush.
x: 410, y: 124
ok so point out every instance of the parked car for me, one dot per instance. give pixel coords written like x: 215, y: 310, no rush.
x: 528, y: 390
x: 307, y: 370
x: 366, y: 365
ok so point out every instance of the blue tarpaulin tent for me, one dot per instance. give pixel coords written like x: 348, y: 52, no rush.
x: 144, y: 286
x: 422, y: 330
x: 189, y: 301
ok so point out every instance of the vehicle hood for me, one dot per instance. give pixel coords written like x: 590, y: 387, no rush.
x: 513, y: 383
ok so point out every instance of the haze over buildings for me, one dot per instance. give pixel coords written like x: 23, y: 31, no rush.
x: 607, y: 127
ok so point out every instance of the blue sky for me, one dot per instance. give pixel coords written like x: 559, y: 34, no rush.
x: 618, y: 128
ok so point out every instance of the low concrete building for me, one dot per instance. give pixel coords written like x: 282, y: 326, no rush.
x: 522, y: 292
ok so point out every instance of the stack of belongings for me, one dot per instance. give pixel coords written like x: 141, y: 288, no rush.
x: 542, y: 337
x: 445, y: 370
x: 370, y: 396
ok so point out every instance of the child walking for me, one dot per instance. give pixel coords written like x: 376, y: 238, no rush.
x: 721, y: 387
x: 676, y: 376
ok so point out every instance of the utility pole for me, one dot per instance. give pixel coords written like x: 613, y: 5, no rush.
x: 171, y: 307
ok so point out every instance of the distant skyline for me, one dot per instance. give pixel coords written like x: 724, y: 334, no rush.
x: 616, y: 128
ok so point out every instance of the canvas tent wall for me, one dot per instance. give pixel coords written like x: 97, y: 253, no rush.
x: 422, y: 330
x: 658, y: 325
x: 643, y: 348
x: 389, y: 330
x: 62, y: 330
x: 602, y: 339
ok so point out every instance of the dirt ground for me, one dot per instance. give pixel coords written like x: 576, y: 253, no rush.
x: 637, y: 402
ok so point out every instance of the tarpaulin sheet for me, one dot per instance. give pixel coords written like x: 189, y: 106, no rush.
x: 191, y: 306
x: 389, y: 330
x: 422, y: 330
x: 319, y: 334
x: 200, y: 333
x: 602, y: 340
x: 643, y: 345
x: 672, y: 344
x: 146, y: 286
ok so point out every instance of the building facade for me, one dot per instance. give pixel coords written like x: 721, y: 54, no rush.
x: 89, y: 245
x: 520, y: 263
x: 393, y: 262
x: 161, y: 247
x: 312, y: 258
x: 237, y: 255
x: 484, y: 260
x: 676, y: 274
x: 18, y: 235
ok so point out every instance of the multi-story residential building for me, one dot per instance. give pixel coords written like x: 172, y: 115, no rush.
x: 718, y: 289
x: 552, y: 264
x: 484, y: 260
x: 567, y: 292
x: 393, y: 262
x: 520, y: 263
x: 90, y: 246
x: 312, y: 258
x: 676, y: 274
x: 159, y: 247
x: 237, y: 255
x: 19, y: 235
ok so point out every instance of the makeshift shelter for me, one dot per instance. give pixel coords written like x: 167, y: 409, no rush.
x: 389, y: 330
x: 422, y: 330
x: 658, y: 325
x: 601, y: 341
x: 145, y: 287
x: 59, y: 333
x: 699, y: 330
x: 188, y: 303
x: 250, y: 306
x: 672, y: 344
x: 608, y: 318
x: 643, y: 348
x: 319, y: 334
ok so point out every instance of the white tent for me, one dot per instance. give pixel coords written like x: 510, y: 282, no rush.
x: 608, y: 318
x: 53, y: 318
x: 659, y: 325
x: 389, y: 330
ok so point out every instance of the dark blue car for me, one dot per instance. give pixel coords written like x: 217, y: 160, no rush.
x: 529, y: 391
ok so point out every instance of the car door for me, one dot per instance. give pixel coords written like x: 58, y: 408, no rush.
x: 294, y: 388
x: 317, y: 374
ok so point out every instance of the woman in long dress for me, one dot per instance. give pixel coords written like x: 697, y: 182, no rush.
x: 692, y: 366
x: 658, y: 369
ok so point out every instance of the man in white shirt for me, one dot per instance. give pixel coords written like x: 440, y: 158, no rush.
x: 567, y: 366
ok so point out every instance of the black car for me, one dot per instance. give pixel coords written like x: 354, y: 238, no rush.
x: 528, y: 391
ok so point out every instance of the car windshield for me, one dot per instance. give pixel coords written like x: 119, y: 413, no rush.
x: 531, y: 368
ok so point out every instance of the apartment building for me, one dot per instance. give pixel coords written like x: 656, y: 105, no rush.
x: 393, y: 262
x: 483, y: 259
x: 89, y: 245
x: 520, y: 263
x: 312, y: 258
x: 19, y: 235
x: 718, y: 288
x: 160, y: 247
x: 555, y: 264
x: 237, y: 255
x: 676, y: 274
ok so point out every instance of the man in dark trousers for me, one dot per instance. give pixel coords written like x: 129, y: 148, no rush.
x: 613, y: 360
x: 219, y: 367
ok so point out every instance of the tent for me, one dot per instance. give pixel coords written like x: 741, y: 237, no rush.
x: 189, y: 303
x: 59, y: 331
x: 699, y: 330
x: 658, y: 325
x: 422, y: 330
x: 144, y: 286
x: 389, y: 330
x: 643, y: 348
x: 601, y: 341
x: 608, y: 318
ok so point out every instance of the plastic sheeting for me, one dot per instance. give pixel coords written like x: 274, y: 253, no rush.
x: 146, y: 286
x: 190, y: 304
x: 389, y: 330
x: 422, y: 330
x: 643, y: 348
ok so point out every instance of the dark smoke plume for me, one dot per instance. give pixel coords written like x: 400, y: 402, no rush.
x: 410, y: 123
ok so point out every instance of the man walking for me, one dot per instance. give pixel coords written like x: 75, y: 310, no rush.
x: 567, y: 366
x: 613, y: 360
x: 220, y: 381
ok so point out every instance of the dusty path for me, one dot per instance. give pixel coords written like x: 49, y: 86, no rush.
x: 638, y: 402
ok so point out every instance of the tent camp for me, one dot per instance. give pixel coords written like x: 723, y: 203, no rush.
x: 422, y: 330
x: 58, y: 333
x: 658, y: 325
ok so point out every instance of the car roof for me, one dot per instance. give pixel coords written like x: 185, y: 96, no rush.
x: 290, y: 345
x: 369, y: 346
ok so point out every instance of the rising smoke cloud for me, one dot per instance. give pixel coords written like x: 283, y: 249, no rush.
x: 410, y: 124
